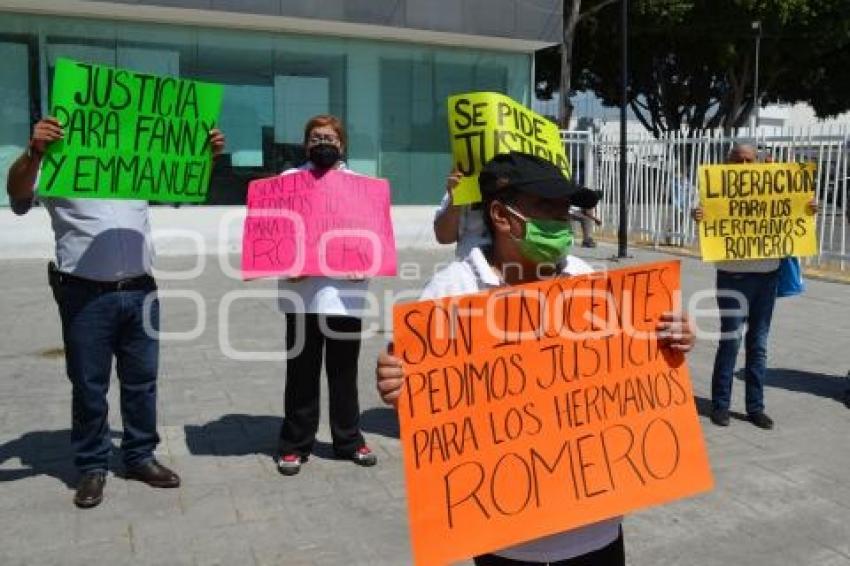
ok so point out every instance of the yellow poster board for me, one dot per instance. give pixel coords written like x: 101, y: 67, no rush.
x: 757, y: 211
x: 485, y: 124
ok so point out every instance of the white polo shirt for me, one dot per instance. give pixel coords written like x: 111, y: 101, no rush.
x: 471, y: 275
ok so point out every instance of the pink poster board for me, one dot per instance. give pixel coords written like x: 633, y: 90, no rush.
x: 334, y: 224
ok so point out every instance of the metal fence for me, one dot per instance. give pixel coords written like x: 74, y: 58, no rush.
x: 661, y: 187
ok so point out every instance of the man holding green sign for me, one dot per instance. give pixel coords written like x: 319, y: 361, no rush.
x: 101, y: 279
x: 129, y: 135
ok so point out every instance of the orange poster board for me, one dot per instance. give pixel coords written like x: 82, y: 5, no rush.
x: 535, y: 409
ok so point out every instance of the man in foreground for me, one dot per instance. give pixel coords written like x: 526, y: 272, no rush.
x: 526, y: 204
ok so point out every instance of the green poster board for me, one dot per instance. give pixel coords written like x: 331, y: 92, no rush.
x: 129, y: 135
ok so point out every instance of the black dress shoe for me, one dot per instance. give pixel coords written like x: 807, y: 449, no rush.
x: 761, y: 420
x: 720, y: 417
x: 154, y: 474
x: 90, y: 490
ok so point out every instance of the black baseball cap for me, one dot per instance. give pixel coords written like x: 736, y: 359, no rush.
x: 532, y: 175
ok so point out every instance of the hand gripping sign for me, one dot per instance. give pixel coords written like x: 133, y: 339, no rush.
x: 536, y: 409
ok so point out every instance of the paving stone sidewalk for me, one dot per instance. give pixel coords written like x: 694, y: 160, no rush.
x: 782, y: 497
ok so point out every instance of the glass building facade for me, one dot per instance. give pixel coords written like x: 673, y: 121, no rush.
x: 391, y: 94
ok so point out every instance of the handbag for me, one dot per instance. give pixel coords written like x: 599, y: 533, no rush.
x: 790, y: 281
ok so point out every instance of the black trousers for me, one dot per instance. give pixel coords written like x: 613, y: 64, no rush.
x: 612, y: 555
x: 307, y: 335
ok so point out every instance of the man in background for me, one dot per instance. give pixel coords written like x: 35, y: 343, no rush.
x: 746, y: 294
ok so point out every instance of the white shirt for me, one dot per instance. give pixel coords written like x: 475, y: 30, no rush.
x: 471, y: 275
x: 322, y: 295
x: 99, y: 239
x: 471, y: 230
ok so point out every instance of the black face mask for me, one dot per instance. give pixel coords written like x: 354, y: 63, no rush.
x: 324, y: 155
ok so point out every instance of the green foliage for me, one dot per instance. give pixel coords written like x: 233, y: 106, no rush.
x: 692, y: 62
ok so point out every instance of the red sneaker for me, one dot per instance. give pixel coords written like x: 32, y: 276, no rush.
x: 364, y: 457
x: 290, y: 464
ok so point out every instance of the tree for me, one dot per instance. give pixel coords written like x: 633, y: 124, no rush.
x: 817, y: 65
x: 555, y: 64
x: 571, y: 10
x: 692, y: 61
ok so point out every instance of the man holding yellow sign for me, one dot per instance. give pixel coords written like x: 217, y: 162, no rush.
x: 751, y: 215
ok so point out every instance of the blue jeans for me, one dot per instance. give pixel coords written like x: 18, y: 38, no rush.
x: 95, y: 327
x: 758, y: 291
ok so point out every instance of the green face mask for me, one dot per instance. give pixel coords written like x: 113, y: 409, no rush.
x: 545, y: 241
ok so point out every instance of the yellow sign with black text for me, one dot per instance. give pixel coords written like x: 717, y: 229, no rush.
x: 485, y: 124
x: 757, y: 211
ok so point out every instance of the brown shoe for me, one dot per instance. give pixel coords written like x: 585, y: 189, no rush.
x: 154, y: 474
x: 90, y: 490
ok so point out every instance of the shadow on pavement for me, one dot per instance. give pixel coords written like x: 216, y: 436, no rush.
x: 823, y: 385
x: 243, y: 435
x: 234, y: 435
x: 380, y: 420
x: 45, y: 453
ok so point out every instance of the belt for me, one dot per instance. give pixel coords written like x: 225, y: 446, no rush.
x: 138, y: 283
